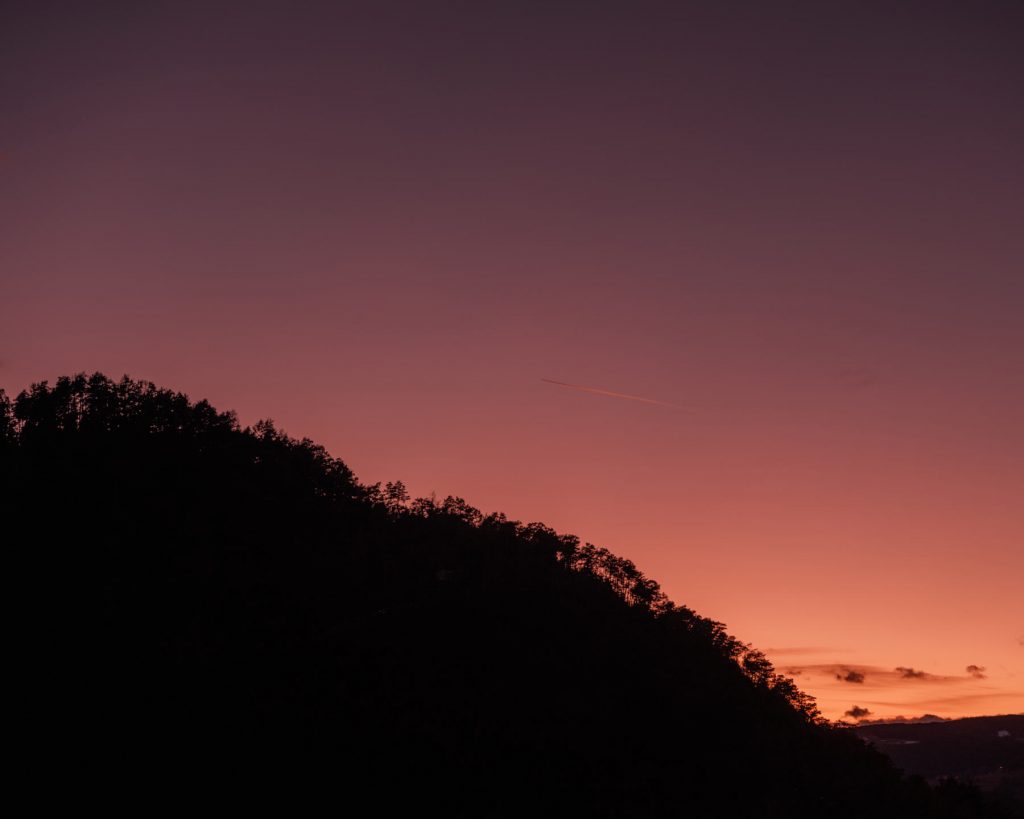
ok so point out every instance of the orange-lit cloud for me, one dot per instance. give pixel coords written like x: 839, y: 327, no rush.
x: 877, y: 675
x: 905, y: 691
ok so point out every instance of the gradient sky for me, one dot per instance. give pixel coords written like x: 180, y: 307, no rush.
x: 797, y: 225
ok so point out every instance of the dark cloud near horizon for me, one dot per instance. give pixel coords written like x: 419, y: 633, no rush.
x: 873, y: 675
x: 976, y: 671
x: 911, y: 673
x: 857, y: 712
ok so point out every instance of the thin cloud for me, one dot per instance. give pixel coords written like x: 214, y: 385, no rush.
x: 993, y: 702
x: 612, y: 394
x: 872, y: 675
x: 839, y: 671
x: 976, y: 671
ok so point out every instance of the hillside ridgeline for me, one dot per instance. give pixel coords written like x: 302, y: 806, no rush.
x: 200, y: 595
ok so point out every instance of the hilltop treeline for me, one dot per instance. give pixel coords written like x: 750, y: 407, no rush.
x: 199, y: 596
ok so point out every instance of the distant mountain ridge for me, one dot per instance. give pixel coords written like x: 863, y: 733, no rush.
x: 902, y: 720
x: 986, y: 750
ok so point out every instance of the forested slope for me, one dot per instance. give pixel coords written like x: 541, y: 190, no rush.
x: 197, y: 595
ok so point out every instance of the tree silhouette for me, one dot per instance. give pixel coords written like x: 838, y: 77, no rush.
x: 234, y: 597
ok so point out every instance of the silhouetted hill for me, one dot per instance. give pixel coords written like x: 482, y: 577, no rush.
x: 198, y: 602
x: 986, y: 750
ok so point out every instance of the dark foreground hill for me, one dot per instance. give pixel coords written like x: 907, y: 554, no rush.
x: 200, y: 603
x: 985, y: 750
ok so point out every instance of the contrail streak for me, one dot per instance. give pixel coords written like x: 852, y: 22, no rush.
x: 596, y: 391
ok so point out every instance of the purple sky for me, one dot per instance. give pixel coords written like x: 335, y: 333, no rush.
x: 383, y: 224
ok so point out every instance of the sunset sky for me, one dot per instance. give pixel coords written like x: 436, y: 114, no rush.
x: 793, y: 228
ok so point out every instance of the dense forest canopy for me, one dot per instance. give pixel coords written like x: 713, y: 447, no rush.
x: 205, y: 591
